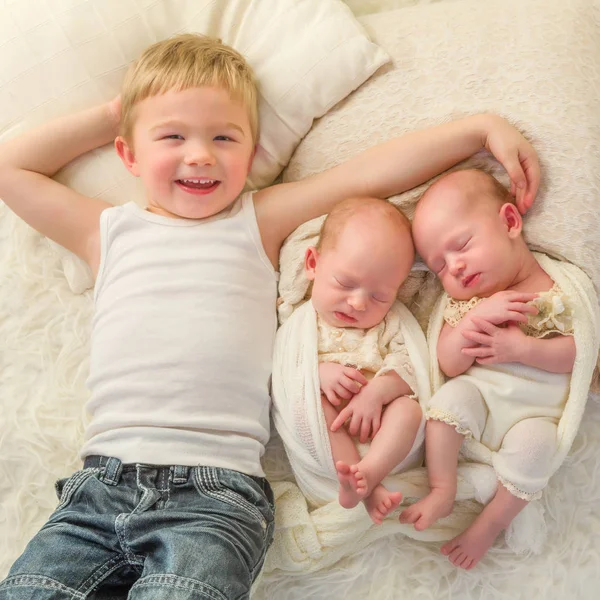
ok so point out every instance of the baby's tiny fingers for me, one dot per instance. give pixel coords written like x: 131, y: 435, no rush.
x: 356, y: 375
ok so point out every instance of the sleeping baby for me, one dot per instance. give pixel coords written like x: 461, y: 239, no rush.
x: 365, y: 380
x: 507, y: 345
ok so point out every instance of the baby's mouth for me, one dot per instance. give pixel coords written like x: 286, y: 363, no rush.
x: 471, y: 279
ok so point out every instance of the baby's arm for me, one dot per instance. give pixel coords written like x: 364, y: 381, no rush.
x: 393, y: 167
x: 365, y: 408
x: 451, y: 343
x: 556, y: 355
x: 27, y: 164
x: 510, y: 344
x: 458, y: 346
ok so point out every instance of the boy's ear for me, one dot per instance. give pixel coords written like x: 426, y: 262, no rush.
x: 126, y: 154
x: 511, y: 217
x: 310, y: 262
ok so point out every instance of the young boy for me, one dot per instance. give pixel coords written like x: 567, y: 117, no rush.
x: 364, y: 254
x: 509, y: 383
x: 172, y: 499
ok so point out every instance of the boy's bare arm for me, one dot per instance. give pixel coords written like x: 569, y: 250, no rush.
x: 27, y: 164
x: 393, y: 167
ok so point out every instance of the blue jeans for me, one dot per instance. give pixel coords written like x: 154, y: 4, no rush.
x: 152, y: 532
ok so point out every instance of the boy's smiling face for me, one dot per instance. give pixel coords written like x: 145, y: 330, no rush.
x: 193, y: 150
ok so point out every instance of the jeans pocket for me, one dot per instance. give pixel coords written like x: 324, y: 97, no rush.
x: 236, y: 489
x: 66, y: 487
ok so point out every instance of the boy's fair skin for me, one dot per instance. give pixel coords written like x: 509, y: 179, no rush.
x: 365, y: 253
x: 469, y: 234
x: 190, y: 138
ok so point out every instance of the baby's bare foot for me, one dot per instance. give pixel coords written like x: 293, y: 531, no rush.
x: 424, y: 513
x: 381, y: 502
x: 351, y: 493
x: 468, y: 548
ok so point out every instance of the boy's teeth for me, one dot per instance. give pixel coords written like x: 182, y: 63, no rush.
x: 199, y: 183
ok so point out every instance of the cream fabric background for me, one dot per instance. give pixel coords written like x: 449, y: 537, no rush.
x: 44, y: 330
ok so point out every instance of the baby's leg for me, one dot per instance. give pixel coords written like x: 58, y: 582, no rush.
x: 455, y: 410
x: 523, y: 468
x: 400, y: 423
x: 344, y: 454
x: 467, y: 549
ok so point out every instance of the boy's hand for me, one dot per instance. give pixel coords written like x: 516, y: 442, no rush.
x: 519, y: 159
x: 364, y: 412
x: 504, y: 307
x: 340, y: 383
x: 496, y: 344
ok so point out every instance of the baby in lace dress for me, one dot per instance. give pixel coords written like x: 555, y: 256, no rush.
x: 367, y: 383
x: 507, y: 345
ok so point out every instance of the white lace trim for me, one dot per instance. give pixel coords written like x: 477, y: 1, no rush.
x: 437, y: 414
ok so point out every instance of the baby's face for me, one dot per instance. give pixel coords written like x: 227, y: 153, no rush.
x: 467, y: 246
x: 356, y: 280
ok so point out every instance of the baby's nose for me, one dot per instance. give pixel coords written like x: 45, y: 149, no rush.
x: 456, y: 267
x: 357, y: 302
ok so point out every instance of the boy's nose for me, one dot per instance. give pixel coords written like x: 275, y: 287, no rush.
x: 199, y: 155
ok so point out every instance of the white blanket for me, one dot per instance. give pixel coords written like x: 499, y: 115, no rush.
x: 297, y: 411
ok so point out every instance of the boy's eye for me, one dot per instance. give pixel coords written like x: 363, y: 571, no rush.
x: 440, y: 269
x: 380, y: 299
x: 465, y: 244
x: 173, y: 136
x: 223, y: 138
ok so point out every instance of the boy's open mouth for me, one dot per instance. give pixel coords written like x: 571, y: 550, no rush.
x: 198, y: 185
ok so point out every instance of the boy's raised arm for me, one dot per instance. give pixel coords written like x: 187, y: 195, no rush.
x: 398, y: 165
x: 27, y: 164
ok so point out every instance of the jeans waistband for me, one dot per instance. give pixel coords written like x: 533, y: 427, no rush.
x: 114, y: 468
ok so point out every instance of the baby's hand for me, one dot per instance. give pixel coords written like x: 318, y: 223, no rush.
x: 503, y: 307
x: 339, y: 382
x: 496, y: 344
x: 364, y: 412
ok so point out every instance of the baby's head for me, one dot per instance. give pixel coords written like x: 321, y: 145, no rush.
x: 365, y: 253
x: 468, y: 232
x: 189, y: 124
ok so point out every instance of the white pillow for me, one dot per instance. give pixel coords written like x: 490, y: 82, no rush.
x: 536, y: 62
x: 59, y: 56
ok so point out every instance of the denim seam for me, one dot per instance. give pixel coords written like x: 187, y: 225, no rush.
x: 43, y: 582
x: 233, y: 498
x: 103, y: 572
x: 174, y: 581
x: 120, y: 525
x: 73, y: 484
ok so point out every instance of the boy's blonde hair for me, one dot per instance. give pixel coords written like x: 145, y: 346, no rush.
x: 185, y: 61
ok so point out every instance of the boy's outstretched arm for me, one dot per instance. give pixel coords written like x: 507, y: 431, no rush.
x: 396, y: 166
x: 27, y: 164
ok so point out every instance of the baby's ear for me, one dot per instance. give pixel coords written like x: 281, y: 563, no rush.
x: 310, y: 262
x: 511, y: 217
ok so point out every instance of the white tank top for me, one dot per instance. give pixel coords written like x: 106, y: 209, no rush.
x: 182, y: 340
